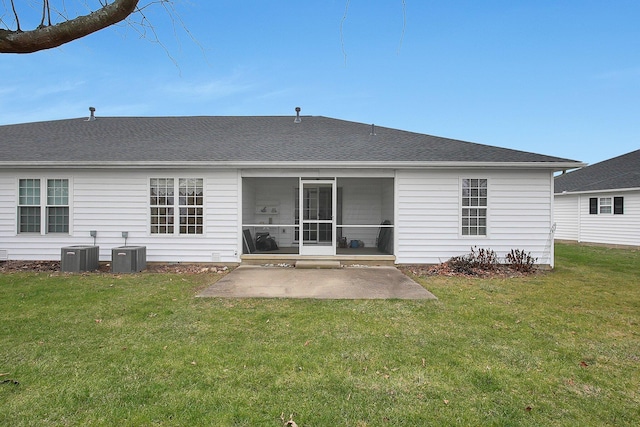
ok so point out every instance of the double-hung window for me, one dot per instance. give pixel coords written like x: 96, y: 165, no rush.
x: 187, y: 206
x: 190, y: 202
x: 606, y: 205
x: 29, y: 216
x: 161, y: 201
x: 474, y: 207
x: 32, y: 210
x: 57, y: 206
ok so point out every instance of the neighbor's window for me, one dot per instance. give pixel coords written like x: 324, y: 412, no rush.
x: 188, y: 204
x: 618, y: 205
x: 474, y: 207
x: 56, y: 208
x: 606, y: 205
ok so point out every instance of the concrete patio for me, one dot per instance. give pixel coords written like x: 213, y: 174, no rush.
x: 249, y: 281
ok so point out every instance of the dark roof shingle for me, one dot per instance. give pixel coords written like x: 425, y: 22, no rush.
x: 616, y: 173
x: 237, y: 139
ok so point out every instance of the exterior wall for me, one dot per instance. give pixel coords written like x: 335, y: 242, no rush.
x: 602, y: 228
x: 111, y: 203
x: 428, y: 224
x: 566, y: 212
x: 426, y: 213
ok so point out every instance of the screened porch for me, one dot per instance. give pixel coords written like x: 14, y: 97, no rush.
x: 317, y: 216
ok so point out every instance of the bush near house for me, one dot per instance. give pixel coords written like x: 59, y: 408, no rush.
x: 481, y: 262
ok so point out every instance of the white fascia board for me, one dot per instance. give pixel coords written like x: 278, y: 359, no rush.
x: 296, y: 165
x: 318, y: 172
x: 609, y: 190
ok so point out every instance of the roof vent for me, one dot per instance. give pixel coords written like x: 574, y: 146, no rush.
x: 373, y: 130
x: 298, y: 119
x: 92, y: 115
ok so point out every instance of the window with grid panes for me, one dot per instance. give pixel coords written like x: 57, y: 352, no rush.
x: 191, y: 205
x: 188, y: 205
x: 57, y: 206
x: 161, y: 193
x: 31, y: 209
x: 474, y: 207
x: 29, y: 206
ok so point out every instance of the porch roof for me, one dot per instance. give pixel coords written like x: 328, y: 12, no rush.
x: 237, y: 141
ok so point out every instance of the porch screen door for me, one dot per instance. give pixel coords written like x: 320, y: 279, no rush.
x: 317, y: 201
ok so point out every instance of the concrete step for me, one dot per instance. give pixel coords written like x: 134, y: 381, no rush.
x: 317, y: 264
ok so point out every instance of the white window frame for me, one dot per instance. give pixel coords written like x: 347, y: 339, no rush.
x: 46, y: 203
x: 605, y: 205
x: 179, y: 214
x: 57, y: 199
x: 473, y: 201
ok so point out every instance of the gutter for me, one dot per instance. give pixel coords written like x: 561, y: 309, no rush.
x: 608, y: 190
x: 555, y: 166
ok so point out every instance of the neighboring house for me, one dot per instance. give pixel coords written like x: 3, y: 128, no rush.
x: 600, y: 203
x: 201, y: 189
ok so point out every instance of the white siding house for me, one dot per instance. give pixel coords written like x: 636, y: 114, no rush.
x: 600, y: 203
x: 208, y: 189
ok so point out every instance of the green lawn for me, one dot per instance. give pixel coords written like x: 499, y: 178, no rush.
x: 561, y: 348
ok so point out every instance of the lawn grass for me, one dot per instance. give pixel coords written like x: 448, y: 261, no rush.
x: 560, y: 348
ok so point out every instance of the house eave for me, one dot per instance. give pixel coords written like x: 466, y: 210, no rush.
x: 608, y: 190
x: 555, y: 166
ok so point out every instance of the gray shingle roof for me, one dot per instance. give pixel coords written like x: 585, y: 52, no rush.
x: 616, y: 173
x: 216, y: 139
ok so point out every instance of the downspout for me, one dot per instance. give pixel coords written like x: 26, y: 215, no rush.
x: 396, y: 225
x: 239, y: 246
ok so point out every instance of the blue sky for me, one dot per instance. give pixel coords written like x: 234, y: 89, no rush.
x: 553, y: 77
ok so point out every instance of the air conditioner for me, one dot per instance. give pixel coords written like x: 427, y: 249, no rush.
x: 128, y: 259
x: 75, y: 259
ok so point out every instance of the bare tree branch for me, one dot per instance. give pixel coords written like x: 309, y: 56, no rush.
x: 50, y: 36
x: 404, y: 23
x: 344, y: 18
x: 15, y: 14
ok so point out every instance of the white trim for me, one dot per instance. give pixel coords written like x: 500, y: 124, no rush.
x: 579, y: 216
x: 555, y: 166
x: 240, y: 247
x: 610, y: 190
x: 315, y: 172
x: 552, y: 229
x: 396, y: 213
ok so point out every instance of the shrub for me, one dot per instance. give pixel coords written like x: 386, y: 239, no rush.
x: 462, y: 264
x: 485, y: 259
x: 520, y: 260
x: 479, y: 260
